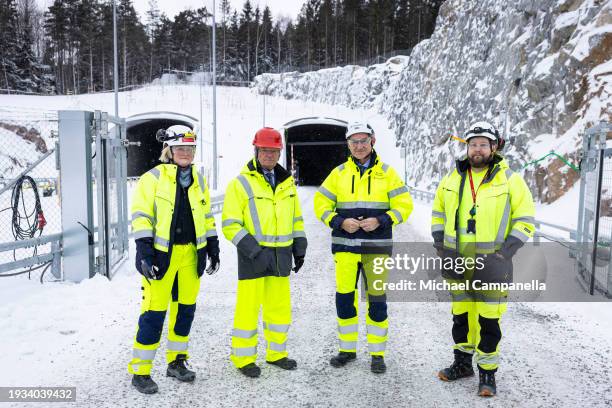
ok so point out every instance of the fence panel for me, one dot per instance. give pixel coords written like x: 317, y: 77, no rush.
x: 30, y: 204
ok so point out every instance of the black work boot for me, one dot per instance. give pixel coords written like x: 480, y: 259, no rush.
x: 461, y: 367
x: 486, y: 383
x: 378, y: 365
x: 342, y: 358
x: 179, y: 370
x: 284, y: 363
x: 251, y: 370
x: 144, y: 384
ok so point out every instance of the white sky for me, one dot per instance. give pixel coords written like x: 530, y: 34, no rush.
x: 172, y: 7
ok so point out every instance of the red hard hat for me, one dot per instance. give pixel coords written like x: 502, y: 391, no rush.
x: 268, y: 137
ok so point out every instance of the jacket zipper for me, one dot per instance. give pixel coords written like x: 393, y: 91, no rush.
x: 369, y: 173
x: 353, y: 185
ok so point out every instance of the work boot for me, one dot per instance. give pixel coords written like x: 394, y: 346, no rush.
x: 144, y: 384
x: 486, y: 383
x: 251, y: 370
x: 178, y: 369
x: 461, y: 367
x: 342, y: 358
x: 378, y: 365
x: 284, y: 363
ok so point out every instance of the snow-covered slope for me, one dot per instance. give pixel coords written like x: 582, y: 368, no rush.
x: 540, y: 70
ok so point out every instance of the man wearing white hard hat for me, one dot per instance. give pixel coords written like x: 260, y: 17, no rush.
x: 361, y: 201
x: 482, y: 210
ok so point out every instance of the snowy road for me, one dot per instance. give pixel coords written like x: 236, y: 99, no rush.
x: 81, y: 335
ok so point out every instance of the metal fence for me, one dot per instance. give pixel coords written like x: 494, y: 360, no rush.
x: 593, y: 263
x: 30, y: 206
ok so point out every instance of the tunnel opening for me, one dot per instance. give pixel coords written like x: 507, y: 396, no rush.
x: 315, y: 146
x: 142, y: 128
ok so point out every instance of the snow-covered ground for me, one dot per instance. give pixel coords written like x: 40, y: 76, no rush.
x: 62, y: 334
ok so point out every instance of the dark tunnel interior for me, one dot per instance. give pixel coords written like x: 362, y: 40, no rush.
x: 316, y: 150
x: 142, y: 158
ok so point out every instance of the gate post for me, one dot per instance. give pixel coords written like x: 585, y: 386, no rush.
x: 75, y: 138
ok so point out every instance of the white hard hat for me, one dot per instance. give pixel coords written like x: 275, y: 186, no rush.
x: 358, y: 127
x: 181, y: 135
x: 482, y: 129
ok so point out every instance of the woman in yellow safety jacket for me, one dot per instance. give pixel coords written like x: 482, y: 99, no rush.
x: 175, y: 232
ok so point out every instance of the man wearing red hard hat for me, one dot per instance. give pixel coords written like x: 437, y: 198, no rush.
x: 262, y: 217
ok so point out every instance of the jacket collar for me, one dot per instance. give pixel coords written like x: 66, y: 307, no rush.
x: 280, y: 174
x: 496, y: 165
x: 373, y: 160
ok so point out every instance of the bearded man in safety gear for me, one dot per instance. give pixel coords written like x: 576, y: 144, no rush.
x: 484, y: 211
x: 175, y: 232
x: 262, y: 217
x: 361, y: 201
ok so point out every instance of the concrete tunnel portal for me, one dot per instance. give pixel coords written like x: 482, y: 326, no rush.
x: 314, y: 147
x: 142, y: 128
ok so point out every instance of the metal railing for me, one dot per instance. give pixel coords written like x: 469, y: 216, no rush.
x: 428, y: 196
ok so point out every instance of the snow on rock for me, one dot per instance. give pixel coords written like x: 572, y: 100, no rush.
x: 539, y: 70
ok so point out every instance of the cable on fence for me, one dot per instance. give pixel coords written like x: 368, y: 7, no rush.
x: 26, y: 223
x: 35, y: 219
x: 553, y: 153
x: 45, y: 265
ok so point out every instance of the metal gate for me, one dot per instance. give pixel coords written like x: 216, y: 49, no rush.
x: 110, y: 192
x: 594, y: 233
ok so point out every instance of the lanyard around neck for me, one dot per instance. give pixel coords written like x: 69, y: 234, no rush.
x: 475, y: 191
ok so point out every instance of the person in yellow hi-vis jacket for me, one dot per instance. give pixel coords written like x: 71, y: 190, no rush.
x: 482, y: 209
x: 175, y: 232
x: 262, y: 217
x: 361, y: 200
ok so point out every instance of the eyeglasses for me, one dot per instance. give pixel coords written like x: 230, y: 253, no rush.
x: 355, y: 142
x: 268, y: 151
x: 184, y: 149
x: 481, y: 146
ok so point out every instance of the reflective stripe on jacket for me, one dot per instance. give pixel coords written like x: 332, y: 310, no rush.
x: 346, y: 193
x: 257, y: 217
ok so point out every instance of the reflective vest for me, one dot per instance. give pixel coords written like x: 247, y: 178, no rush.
x: 504, y: 206
x: 272, y: 216
x: 154, y: 215
x: 346, y: 193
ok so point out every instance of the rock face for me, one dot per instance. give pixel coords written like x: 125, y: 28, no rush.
x: 540, y: 70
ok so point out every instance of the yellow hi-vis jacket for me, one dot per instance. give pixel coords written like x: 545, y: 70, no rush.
x: 154, y: 215
x: 379, y: 193
x: 264, y: 223
x: 504, y: 216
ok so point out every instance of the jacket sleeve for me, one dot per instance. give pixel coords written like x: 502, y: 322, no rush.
x: 400, y: 201
x: 212, y: 240
x: 143, y: 199
x: 325, y: 200
x: 522, y: 212
x: 233, y: 221
x: 299, y: 236
x: 438, y: 216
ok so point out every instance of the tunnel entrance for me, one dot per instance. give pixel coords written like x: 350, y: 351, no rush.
x: 315, y: 146
x: 142, y: 128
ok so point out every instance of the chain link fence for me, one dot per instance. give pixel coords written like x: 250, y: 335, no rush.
x: 29, y: 188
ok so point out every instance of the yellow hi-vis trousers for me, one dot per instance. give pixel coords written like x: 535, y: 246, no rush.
x: 273, y: 294
x: 477, y: 324
x: 179, y: 286
x: 347, y: 276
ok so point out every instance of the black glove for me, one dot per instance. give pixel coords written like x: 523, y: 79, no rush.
x: 214, y: 264
x: 439, y: 247
x: 148, y: 270
x: 299, y: 262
